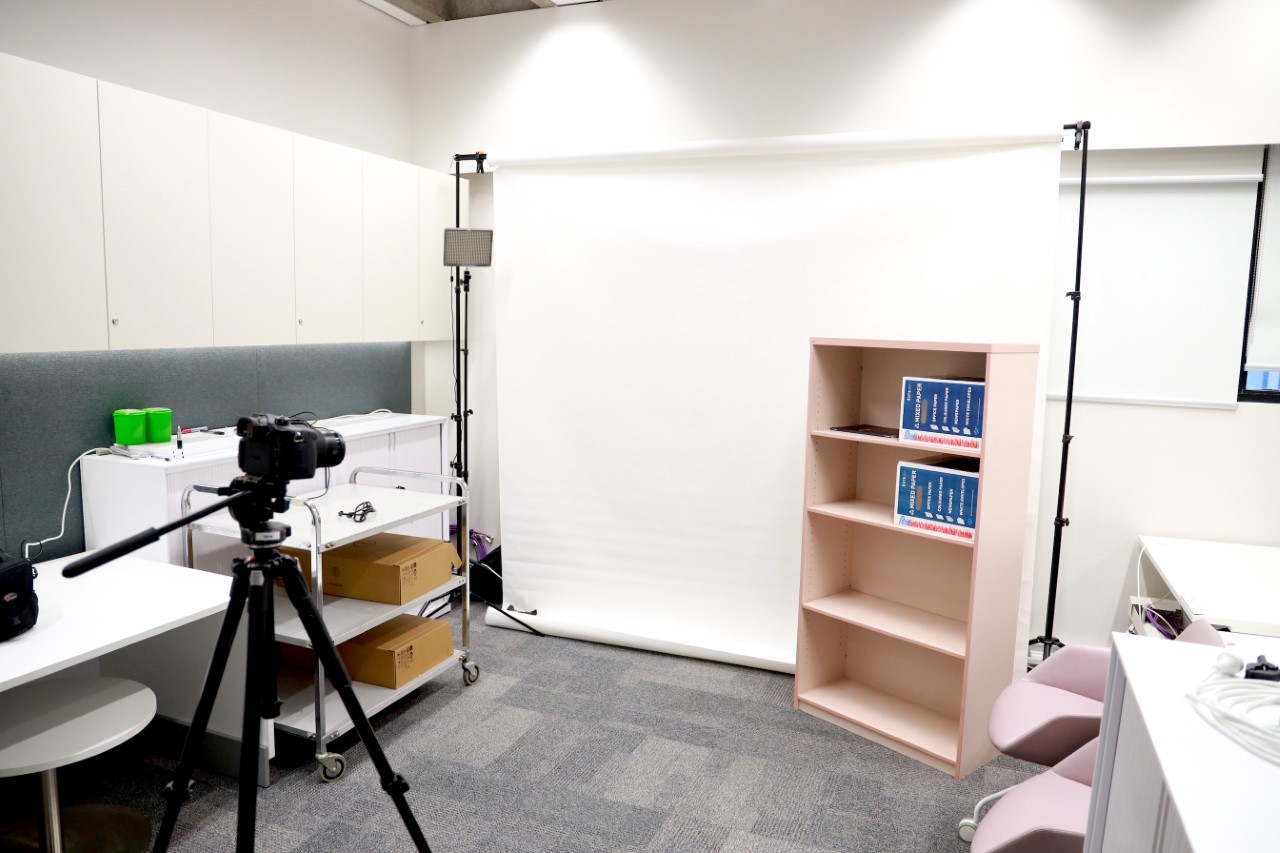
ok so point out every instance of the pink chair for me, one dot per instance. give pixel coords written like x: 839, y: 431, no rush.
x: 1048, y: 813
x: 1047, y: 715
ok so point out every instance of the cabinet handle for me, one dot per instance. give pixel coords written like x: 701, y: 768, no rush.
x: 115, y: 321
x: 299, y: 321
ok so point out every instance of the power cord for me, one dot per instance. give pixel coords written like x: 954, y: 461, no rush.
x: 38, y: 544
x: 360, y: 513
x: 1233, y: 705
x: 1147, y: 612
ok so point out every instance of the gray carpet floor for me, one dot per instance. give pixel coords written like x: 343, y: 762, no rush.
x: 568, y: 747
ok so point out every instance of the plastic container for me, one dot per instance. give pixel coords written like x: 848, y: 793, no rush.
x: 159, y: 423
x: 131, y: 426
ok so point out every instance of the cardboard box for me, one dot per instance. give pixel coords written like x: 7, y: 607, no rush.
x: 397, y: 651
x: 386, y: 567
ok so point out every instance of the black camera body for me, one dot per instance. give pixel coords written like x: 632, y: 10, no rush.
x: 280, y: 449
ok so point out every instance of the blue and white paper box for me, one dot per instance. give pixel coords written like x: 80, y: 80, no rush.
x: 944, y: 412
x: 938, y: 494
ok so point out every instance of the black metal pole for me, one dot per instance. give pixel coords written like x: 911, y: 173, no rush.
x: 1047, y: 640
x: 459, y: 428
x: 464, y: 450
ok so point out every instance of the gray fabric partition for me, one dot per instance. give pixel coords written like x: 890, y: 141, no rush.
x: 55, y: 406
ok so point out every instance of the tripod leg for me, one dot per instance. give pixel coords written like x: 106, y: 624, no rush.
x: 179, y: 789
x: 392, y: 782
x: 251, y: 722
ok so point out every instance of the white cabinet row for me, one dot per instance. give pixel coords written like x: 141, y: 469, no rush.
x: 131, y: 221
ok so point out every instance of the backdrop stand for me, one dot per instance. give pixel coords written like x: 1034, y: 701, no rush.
x: 1047, y: 641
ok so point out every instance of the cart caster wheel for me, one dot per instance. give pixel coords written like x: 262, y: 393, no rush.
x: 470, y: 673
x: 332, y: 766
x: 967, y: 829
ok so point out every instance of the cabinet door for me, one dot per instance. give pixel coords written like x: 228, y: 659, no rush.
x: 436, y: 212
x: 327, y: 247
x: 50, y: 211
x: 251, y: 232
x: 155, y: 201
x: 390, y: 250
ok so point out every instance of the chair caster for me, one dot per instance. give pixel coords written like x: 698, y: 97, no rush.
x: 966, y: 829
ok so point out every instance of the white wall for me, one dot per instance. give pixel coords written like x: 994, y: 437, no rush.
x: 332, y: 69
x: 1147, y: 73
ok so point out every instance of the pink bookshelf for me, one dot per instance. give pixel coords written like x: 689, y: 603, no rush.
x: 907, y: 636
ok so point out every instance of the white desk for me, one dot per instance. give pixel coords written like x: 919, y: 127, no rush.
x: 109, y: 608
x: 1167, y: 781
x: 1227, y: 584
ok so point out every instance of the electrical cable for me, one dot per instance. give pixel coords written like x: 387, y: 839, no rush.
x: 360, y: 513
x: 62, y: 528
x: 379, y: 412
x: 1146, y: 611
x: 1227, y: 704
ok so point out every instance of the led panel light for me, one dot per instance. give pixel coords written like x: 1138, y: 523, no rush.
x: 468, y: 247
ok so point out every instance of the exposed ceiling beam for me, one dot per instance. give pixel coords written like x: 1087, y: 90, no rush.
x: 427, y: 11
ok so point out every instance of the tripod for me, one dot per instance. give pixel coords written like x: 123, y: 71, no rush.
x: 252, y: 503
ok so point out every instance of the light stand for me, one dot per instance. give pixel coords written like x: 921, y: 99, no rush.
x: 1047, y: 641
x: 466, y: 247
x: 463, y: 248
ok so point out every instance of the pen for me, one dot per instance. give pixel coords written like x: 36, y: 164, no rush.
x: 180, y: 438
x: 196, y: 429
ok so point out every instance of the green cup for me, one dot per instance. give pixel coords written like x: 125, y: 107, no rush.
x: 159, y: 423
x: 131, y: 426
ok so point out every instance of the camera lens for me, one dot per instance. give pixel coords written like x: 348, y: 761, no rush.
x: 330, y: 448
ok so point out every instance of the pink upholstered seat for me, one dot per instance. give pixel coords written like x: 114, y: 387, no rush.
x: 1055, y: 709
x: 1045, y: 814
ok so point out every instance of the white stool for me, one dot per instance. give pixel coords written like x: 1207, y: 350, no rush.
x: 47, y: 724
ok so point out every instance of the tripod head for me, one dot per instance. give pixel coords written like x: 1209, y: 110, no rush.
x: 273, y: 450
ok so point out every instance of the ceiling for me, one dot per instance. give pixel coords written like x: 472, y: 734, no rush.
x: 436, y: 11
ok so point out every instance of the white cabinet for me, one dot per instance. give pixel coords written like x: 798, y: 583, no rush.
x: 327, y: 192
x: 52, y: 289
x: 155, y: 202
x: 390, y: 237
x: 436, y: 212
x: 141, y: 222
x: 251, y: 232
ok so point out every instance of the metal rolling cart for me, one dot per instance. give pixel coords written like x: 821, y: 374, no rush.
x: 310, y: 708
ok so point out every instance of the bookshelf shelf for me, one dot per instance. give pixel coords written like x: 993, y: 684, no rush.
x: 906, y: 636
x: 895, y: 620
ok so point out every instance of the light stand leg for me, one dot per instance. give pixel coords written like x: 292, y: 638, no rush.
x: 178, y: 790
x: 286, y: 568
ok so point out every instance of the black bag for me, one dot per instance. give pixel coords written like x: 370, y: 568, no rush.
x: 19, y: 605
x: 486, y: 578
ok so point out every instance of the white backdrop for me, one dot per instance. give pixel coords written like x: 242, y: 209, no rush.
x: 653, y: 323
